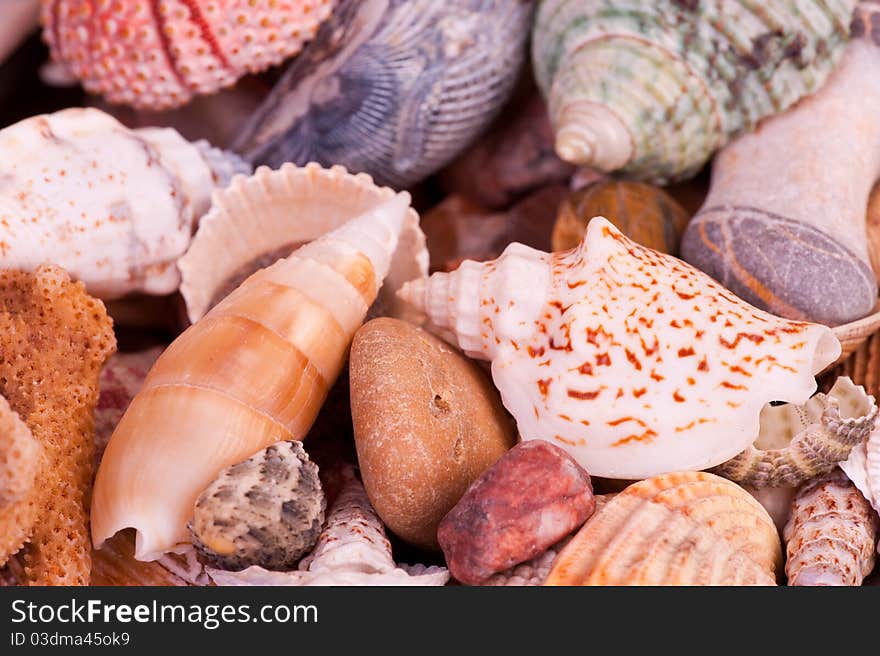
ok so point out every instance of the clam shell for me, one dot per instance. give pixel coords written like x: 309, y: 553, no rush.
x: 157, y: 55
x: 268, y: 215
x: 688, y: 528
x: 393, y: 88
x: 798, y: 443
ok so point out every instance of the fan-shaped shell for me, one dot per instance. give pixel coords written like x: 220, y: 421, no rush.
x: 798, y: 443
x: 115, y: 207
x: 393, y: 88
x: 654, y: 88
x: 629, y: 359
x: 277, y: 211
x: 688, y: 528
x: 156, y: 55
x: 253, y: 371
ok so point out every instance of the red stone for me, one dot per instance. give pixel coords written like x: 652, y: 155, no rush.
x: 532, y: 497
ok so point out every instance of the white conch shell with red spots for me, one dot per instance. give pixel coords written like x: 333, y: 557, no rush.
x: 632, y: 360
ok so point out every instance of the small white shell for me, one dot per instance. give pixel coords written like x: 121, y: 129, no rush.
x: 273, y: 212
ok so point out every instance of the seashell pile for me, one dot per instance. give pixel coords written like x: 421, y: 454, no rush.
x: 416, y: 297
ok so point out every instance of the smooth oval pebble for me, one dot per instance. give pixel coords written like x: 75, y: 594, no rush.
x: 427, y: 422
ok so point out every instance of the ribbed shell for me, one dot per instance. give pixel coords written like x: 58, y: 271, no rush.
x: 255, y: 370
x: 830, y: 535
x: 629, y: 359
x: 654, y: 88
x: 392, y: 88
x: 799, y: 443
x: 156, y: 55
x: 689, y: 528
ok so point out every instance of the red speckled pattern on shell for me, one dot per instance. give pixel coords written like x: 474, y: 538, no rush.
x: 157, y: 53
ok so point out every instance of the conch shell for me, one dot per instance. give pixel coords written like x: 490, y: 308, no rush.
x: 689, y: 528
x: 276, y: 211
x: 633, y: 361
x: 156, y: 55
x: 654, y: 88
x: 115, y: 207
x: 393, y: 88
x: 830, y: 535
x: 799, y: 443
x: 254, y: 371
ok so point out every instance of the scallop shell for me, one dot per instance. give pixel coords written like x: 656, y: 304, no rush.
x: 157, y: 55
x: 276, y: 211
x: 115, y: 207
x: 352, y: 550
x: 688, y: 528
x: 629, y: 359
x: 253, y: 371
x: 831, y: 534
x: 798, y: 443
x: 654, y: 88
x: 20, y: 18
x: 393, y: 88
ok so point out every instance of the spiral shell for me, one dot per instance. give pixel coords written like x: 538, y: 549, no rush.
x: 157, y: 55
x: 253, y: 371
x: 830, y: 535
x: 393, y: 88
x: 115, y: 207
x: 689, y: 528
x: 654, y: 88
x: 799, y: 443
x: 629, y: 359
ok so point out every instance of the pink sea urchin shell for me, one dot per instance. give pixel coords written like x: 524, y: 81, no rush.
x: 156, y: 54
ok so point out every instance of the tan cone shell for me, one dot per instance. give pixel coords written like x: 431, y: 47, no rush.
x: 688, y: 528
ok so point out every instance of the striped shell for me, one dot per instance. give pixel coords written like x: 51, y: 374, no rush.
x: 629, y: 359
x: 690, y: 528
x: 654, y: 88
x: 156, y: 54
x: 798, y: 443
x: 830, y: 535
x: 393, y: 88
x: 253, y: 371
x: 115, y: 207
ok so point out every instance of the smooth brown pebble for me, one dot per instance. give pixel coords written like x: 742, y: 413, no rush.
x: 427, y: 423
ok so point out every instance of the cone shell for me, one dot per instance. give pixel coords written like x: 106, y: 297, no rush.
x: 157, y: 55
x: 799, y: 443
x: 689, y: 528
x: 631, y: 360
x: 115, y: 207
x: 830, y: 535
x: 393, y: 88
x: 654, y: 88
x: 266, y: 216
x: 255, y: 370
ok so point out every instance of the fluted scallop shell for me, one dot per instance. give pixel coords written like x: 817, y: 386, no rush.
x: 654, y: 88
x: 115, y: 207
x: 156, y: 55
x: 393, y: 88
x: 830, y: 535
x: 798, y: 443
x: 631, y: 360
x: 253, y: 371
x: 274, y: 212
x: 19, y: 20
x: 688, y: 528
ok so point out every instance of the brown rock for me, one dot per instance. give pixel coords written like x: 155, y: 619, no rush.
x: 427, y: 423
x: 530, y: 499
